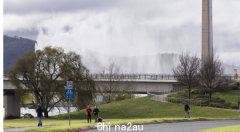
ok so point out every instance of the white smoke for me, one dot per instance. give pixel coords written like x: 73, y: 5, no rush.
x: 135, y: 35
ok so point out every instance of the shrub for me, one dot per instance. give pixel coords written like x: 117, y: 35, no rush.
x: 195, y: 91
x: 224, y: 87
x: 227, y: 104
x: 200, y: 97
x: 205, y: 103
x: 199, y: 90
x: 185, y: 92
x: 235, y: 86
x: 203, y: 91
x: 217, y: 100
x: 176, y: 101
x: 234, y: 107
x: 218, y: 105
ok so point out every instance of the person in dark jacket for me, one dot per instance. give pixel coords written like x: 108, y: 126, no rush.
x: 96, y: 111
x: 88, y: 111
x: 39, y: 114
x: 186, y: 108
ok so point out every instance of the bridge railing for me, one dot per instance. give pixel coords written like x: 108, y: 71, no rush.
x: 133, y: 76
x: 228, y: 78
x: 161, y: 95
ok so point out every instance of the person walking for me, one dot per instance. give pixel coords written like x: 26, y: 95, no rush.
x: 39, y: 114
x: 96, y: 111
x: 88, y: 111
x: 186, y: 108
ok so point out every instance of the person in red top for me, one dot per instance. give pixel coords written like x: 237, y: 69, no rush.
x: 88, y: 110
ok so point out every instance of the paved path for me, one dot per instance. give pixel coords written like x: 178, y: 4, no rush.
x: 161, y: 97
x: 22, y: 129
x: 181, y: 126
x: 220, y: 108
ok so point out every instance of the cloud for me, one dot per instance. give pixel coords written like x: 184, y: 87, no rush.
x: 13, y: 22
x: 126, y: 28
x: 115, y: 32
x: 46, y: 6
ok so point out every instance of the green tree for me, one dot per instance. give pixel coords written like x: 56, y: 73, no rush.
x: 45, y: 73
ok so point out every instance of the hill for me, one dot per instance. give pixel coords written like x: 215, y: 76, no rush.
x: 13, y: 47
x: 144, y: 108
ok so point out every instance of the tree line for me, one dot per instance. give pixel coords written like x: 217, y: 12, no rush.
x: 194, y: 72
x: 44, y: 73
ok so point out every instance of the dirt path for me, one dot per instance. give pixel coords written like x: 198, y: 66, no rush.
x: 22, y: 129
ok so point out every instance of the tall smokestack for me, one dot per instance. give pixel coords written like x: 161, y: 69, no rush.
x: 207, y: 31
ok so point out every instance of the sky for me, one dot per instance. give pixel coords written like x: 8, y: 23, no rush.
x: 124, y: 27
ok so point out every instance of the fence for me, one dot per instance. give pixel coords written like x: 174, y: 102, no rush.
x: 133, y: 76
x: 161, y: 95
x: 228, y: 78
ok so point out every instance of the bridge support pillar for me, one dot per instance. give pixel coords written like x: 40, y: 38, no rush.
x: 12, y: 106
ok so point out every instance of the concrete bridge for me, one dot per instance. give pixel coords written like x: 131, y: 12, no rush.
x: 144, y: 83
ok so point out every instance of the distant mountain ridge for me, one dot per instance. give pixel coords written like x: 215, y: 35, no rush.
x: 13, y: 47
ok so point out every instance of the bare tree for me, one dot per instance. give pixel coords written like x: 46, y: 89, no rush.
x: 210, y: 74
x: 187, y: 71
x: 112, y: 84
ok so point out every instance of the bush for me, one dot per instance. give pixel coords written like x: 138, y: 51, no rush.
x: 218, y: 105
x: 185, y: 92
x: 195, y: 91
x: 176, y: 101
x: 234, y: 107
x: 225, y: 84
x: 227, y: 104
x: 217, y: 100
x: 200, y: 97
x: 223, y: 87
x: 205, y: 103
x: 235, y: 86
x: 203, y: 91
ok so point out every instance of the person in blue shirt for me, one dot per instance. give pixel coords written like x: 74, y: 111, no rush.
x: 186, y: 108
x: 39, y: 114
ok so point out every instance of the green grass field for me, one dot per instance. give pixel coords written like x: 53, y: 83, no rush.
x: 137, y: 110
x: 232, y: 96
x: 227, y: 100
x: 235, y: 128
x: 145, y: 108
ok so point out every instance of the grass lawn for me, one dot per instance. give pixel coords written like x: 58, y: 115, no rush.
x: 227, y: 100
x: 235, y: 128
x: 131, y: 110
x: 145, y: 108
x: 232, y: 96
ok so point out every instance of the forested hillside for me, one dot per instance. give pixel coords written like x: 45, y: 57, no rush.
x: 13, y: 47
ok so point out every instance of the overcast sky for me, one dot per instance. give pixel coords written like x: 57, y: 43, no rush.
x: 125, y: 27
